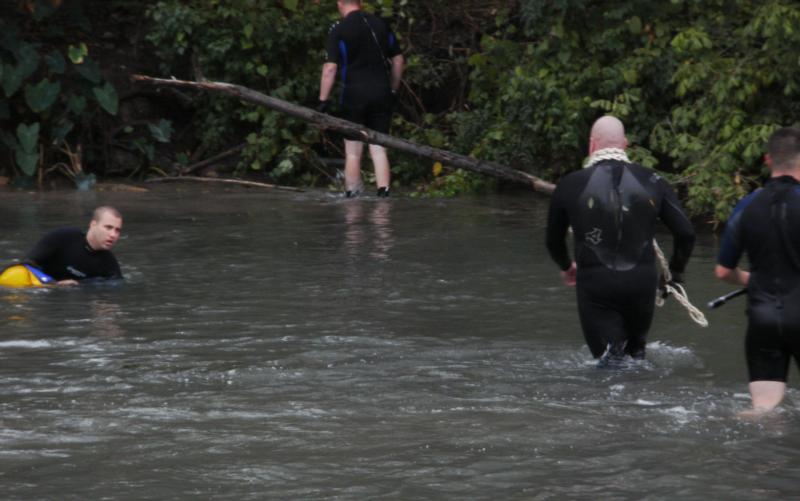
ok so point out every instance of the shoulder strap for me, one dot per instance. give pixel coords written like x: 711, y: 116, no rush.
x: 377, y: 44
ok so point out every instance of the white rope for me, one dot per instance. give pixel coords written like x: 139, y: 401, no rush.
x: 677, y: 291
x: 607, y: 154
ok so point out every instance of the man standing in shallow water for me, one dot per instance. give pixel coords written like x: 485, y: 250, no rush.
x: 766, y: 224
x: 371, y: 64
x: 69, y: 255
x: 613, y: 206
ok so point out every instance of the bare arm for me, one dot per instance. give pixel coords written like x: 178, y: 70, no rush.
x: 327, y: 80
x: 398, y: 65
x: 735, y: 276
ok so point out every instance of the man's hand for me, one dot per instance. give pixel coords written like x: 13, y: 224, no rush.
x: 324, y: 106
x: 67, y: 282
x: 570, y: 275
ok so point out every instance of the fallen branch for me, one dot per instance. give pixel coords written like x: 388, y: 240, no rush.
x: 360, y: 133
x: 210, y: 161
x: 240, y: 182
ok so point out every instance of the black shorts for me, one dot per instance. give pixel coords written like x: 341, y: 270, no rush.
x: 371, y: 110
x: 773, y: 338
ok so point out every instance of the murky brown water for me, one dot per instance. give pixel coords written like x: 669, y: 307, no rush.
x: 303, y: 346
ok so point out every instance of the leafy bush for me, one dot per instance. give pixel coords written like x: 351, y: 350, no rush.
x: 273, y: 47
x: 52, y: 88
x: 700, y: 87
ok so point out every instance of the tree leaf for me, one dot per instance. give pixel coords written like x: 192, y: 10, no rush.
x: 161, y: 132
x: 290, y: 5
x: 56, y: 62
x: 28, y: 136
x: 77, y: 53
x: 12, y: 80
x: 89, y: 70
x: 61, y: 130
x: 107, y: 97
x: 27, y: 161
x: 76, y: 104
x: 27, y: 60
x: 42, y: 95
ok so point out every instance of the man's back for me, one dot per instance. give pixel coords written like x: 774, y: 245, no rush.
x: 764, y: 225
x: 613, y: 208
x: 360, y: 44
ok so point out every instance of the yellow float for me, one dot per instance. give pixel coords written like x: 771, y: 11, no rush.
x: 23, y: 275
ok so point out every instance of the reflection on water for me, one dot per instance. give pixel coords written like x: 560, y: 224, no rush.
x: 104, y: 315
x: 311, y: 347
x: 369, y: 223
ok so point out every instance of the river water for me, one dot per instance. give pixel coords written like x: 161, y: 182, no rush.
x: 304, y: 346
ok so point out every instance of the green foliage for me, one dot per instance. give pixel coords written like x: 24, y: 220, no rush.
x: 456, y: 183
x: 46, y: 82
x: 26, y: 153
x: 273, y: 47
x: 700, y: 86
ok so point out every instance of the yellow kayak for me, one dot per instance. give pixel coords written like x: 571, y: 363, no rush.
x: 23, y: 275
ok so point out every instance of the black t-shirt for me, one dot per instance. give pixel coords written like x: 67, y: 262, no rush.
x: 613, y: 208
x: 361, y: 45
x: 65, y: 254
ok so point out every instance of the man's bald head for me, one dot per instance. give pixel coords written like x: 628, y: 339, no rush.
x: 607, y: 132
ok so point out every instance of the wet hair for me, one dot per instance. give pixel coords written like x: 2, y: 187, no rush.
x: 98, y: 212
x: 784, y: 147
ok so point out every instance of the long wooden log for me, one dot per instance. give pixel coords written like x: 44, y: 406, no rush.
x: 359, y: 132
x: 239, y: 182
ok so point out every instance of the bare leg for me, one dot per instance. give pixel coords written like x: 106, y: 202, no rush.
x: 766, y: 395
x: 381, y: 163
x: 352, y: 165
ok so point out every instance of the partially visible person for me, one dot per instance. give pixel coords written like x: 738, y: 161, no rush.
x: 363, y: 47
x: 613, y: 206
x: 70, y: 255
x: 766, y: 226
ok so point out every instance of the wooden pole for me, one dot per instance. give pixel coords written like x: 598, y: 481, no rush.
x: 359, y: 132
x: 239, y: 182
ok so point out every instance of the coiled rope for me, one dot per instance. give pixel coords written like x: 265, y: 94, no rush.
x: 676, y: 290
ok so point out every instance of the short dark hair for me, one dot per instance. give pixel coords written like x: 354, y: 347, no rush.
x: 98, y: 212
x: 784, y: 147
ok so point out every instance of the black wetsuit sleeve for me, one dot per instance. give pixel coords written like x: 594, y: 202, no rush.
x: 673, y: 216
x: 557, y: 226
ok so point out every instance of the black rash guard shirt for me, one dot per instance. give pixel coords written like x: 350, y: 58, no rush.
x: 65, y: 254
x: 361, y: 45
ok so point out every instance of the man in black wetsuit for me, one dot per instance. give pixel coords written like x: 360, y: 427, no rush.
x: 363, y: 47
x: 766, y: 225
x: 613, y: 206
x: 69, y: 255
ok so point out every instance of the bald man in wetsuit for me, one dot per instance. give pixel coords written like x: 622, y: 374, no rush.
x: 70, y: 255
x: 765, y: 225
x: 613, y: 206
x: 366, y: 52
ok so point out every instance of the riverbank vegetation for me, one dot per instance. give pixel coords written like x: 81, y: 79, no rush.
x: 700, y: 86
